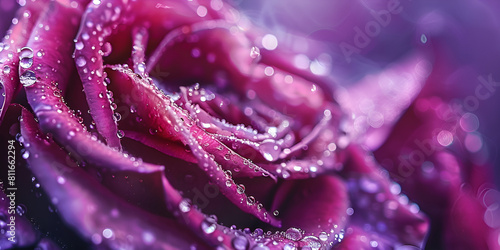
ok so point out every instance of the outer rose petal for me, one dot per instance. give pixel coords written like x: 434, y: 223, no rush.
x: 316, y: 206
x: 178, y: 124
x: 378, y: 204
x: 16, y: 38
x: 465, y: 226
x: 45, y: 97
x: 91, y: 209
x: 378, y: 100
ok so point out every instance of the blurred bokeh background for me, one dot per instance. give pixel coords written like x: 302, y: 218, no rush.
x: 461, y: 39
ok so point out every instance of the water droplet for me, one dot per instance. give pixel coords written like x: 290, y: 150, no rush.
x: 323, y: 236
x: 80, y: 61
x: 106, y: 49
x: 276, y: 213
x: 269, y: 149
x: 25, y: 52
x: 254, y: 52
x: 26, y: 57
x: 6, y: 69
x: 313, y: 243
x: 240, y: 189
x: 61, y: 180
x: 79, y: 45
x: 293, y: 234
x: 240, y: 242
x: 250, y: 200
x: 117, y: 117
x: 26, y: 62
x: 290, y: 246
x: 120, y: 134
x: 26, y: 154
x: 21, y: 209
x: 185, y: 206
x: 423, y: 38
x: 208, y: 225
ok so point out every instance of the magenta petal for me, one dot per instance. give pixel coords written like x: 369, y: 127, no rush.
x: 378, y: 100
x: 17, y: 37
x: 378, y: 205
x: 89, y: 62
x: 45, y: 97
x: 167, y: 147
x: 176, y: 123
x: 317, y: 206
x: 355, y: 238
x: 465, y: 223
x: 88, y: 207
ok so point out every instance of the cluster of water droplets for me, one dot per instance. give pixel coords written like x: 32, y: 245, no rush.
x: 28, y: 77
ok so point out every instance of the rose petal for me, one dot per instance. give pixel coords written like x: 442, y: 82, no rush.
x: 377, y: 203
x: 97, y: 24
x: 378, y: 100
x: 90, y: 208
x: 45, y: 97
x: 465, y: 225
x: 17, y: 37
x: 202, y: 146
x: 145, y: 96
x: 316, y: 206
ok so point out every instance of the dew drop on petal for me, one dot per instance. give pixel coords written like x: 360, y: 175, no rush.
x: 185, y: 206
x: 61, y: 180
x: 79, y: 45
x: 6, y: 69
x: 208, y: 226
x: 290, y: 246
x: 26, y: 154
x: 26, y: 62
x: 106, y: 49
x: 81, y: 61
x: 117, y: 117
x: 25, y: 52
x: 240, y: 242
x: 293, y: 234
x: 21, y: 209
x: 120, y: 134
x: 254, y: 52
x: 28, y: 78
x: 323, y: 236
